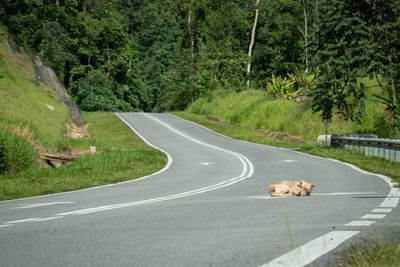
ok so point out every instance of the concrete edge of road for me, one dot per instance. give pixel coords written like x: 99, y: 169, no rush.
x: 169, y: 162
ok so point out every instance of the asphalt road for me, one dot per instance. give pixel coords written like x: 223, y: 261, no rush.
x: 207, y: 207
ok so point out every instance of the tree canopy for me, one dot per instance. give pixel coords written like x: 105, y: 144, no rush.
x: 158, y: 55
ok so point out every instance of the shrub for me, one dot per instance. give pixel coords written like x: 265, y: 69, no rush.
x: 16, y: 154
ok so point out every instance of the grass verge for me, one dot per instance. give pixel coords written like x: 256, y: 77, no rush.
x: 121, y: 156
x: 377, y: 254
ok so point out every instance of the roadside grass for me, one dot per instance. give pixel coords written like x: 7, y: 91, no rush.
x: 121, y: 156
x: 377, y: 254
x: 256, y: 110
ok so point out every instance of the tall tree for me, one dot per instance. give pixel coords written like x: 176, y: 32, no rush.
x: 342, y: 55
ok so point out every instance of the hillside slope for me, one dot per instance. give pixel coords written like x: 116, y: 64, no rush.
x: 33, y: 120
x: 31, y: 115
x: 255, y: 109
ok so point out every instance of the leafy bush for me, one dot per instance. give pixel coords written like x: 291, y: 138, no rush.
x: 16, y: 153
x: 281, y: 87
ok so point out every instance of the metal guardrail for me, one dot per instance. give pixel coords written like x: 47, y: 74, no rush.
x: 369, y: 145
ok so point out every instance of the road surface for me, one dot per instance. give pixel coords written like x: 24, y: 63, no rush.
x: 207, y: 207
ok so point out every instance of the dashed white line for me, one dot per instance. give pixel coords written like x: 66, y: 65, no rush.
x: 382, y: 210
x: 392, y: 199
x: 312, y: 250
x: 360, y: 223
x: 373, y: 216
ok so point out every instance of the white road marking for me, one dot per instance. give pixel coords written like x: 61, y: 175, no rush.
x: 207, y: 163
x: 48, y: 219
x: 28, y: 206
x: 247, y: 172
x: 381, y: 210
x: 312, y: 250
x: 290, y: 160
x: 342, y: 193
x: 24, y: 220
x: 373, y: 216
x: 360, y: 223
x: 392, y: 199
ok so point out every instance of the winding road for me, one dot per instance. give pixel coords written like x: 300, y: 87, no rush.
x: 207, y: 207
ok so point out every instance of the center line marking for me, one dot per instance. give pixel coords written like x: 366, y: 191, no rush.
x: 29, y: 206
x: 24, y: 220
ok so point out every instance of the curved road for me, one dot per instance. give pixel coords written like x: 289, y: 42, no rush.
x: 207, y: 207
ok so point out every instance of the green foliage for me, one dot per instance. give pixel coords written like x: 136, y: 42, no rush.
x: 341, y: 56
x: 162, y: 58
x: 95, y: 93
x: 281, y: 87
x: 257, y: 110
x: 16, y: 154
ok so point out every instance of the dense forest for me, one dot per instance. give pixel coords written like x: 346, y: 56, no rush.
x: 158, y: 55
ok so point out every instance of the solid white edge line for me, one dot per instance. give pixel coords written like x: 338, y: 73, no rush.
x: 312, y: 250
x: 169, y: 162
x: 248, y: 170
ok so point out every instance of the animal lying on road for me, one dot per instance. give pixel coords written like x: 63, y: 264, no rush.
x: 290, y: 188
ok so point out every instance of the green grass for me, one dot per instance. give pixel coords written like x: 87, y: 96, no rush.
x: 377, y: 254
x: 24, y: 102
x: 122, y: 156
x: 256, y: 110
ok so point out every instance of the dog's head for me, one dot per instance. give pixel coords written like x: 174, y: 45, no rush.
x: 306, y: 188
x: 297, y: 189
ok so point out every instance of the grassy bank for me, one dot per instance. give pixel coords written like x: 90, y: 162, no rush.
x: 377, y: 254
x: 256, y: 110
x: 121, y: 156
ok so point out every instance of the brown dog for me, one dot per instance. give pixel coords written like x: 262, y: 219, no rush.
x: 285, y: 189
x: 291, y: 188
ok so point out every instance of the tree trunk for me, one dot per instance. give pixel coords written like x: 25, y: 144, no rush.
x: 253, y: 35
x: 191, y: 33
x: 192, y: 48
x: 392, y: 81
x: 305, y: 35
